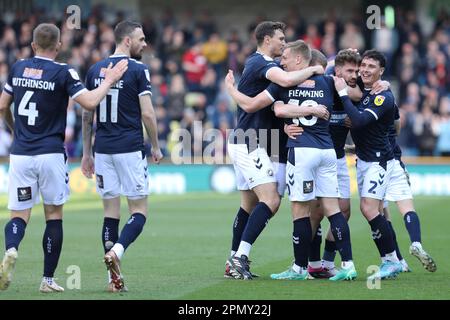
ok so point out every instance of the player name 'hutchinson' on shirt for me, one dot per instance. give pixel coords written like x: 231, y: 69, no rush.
x: 33, y: 84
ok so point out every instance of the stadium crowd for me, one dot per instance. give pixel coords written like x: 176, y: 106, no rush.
x: 188, y: 62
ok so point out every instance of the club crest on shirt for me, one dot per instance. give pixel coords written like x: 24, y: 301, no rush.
x: 74, y: 74
x: 32, y: 73
x: 378, y: 101
x: 366, y: 100
x: 307, y: 84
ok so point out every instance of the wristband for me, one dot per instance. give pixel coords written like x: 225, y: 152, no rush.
x: 343, y: 92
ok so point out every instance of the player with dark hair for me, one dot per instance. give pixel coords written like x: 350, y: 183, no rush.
x: 120, y: 160
x: 370, y: 125
x: 311, y: 167
x: 257, y: 177
x: 40, y: 89
x: 346, y: 65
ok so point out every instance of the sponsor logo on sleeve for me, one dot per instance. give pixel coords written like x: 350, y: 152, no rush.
x: 74, y: 74
x: 378, y: 101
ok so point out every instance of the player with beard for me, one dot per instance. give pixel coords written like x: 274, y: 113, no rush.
x: 120, y: 160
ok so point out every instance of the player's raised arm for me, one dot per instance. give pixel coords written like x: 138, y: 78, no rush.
x: 149, y: 120
x: 91, y: 99
x: 354, y: 93
x: 248, y: 104
x: 380, y: 86
x: 87, y: 161
x: 292, y: 78
x: 369, y: 115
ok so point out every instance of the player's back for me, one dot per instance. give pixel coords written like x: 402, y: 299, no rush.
x: 41, y: 88
x: 119, y: 121
x: 253, y: 82
x: 316, y: 90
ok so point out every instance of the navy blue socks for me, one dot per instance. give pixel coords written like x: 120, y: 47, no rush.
x: 52, y: 244
x: 110, y: 233
x: 256, y: 222
x: 14, y: 232
x: 238, y: 228
x: 301, y: 240
x: 412, y: 224
x: 132, y: 229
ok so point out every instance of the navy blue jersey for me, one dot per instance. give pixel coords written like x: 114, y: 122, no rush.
x: 393, y: 136
x: 371, y: 140
x: 331, y: 71
x: 119, y: 124
x: 282, y: 150
x: 41, y: 88
x: 338, y: 130
x: 317, y: 89
x: 253, y: 82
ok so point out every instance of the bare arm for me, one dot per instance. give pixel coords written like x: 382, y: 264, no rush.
x: 379, y: 86
x: 292, y: 78
x: 248, y: 104
x: 91, y: 99
x: 9, y: 119
x: 5, y: 111
x: 292, y: 111
x: 293, y: 130
x: 87, y: 161
x: 149, y: 120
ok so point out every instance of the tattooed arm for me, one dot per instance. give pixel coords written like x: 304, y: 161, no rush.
x: 87, y: 162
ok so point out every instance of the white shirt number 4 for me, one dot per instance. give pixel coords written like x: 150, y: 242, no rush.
x: 28, y: 109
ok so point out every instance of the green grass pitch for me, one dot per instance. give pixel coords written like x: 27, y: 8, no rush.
x: 182, y: 251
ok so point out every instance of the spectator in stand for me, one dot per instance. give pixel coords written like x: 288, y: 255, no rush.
x: 426, y: 129
x: 443, y: 143
x: 352, y: 38
x: 194, y: 67
x: 312, y: 36
x: 215, y: 50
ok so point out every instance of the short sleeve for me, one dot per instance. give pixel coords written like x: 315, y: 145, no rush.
x: 265, y: 67
x: 73, y: 85
x: 8, y: 85
x: 381, y: 104
x: 144, y: 85
x: 273, y: 92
